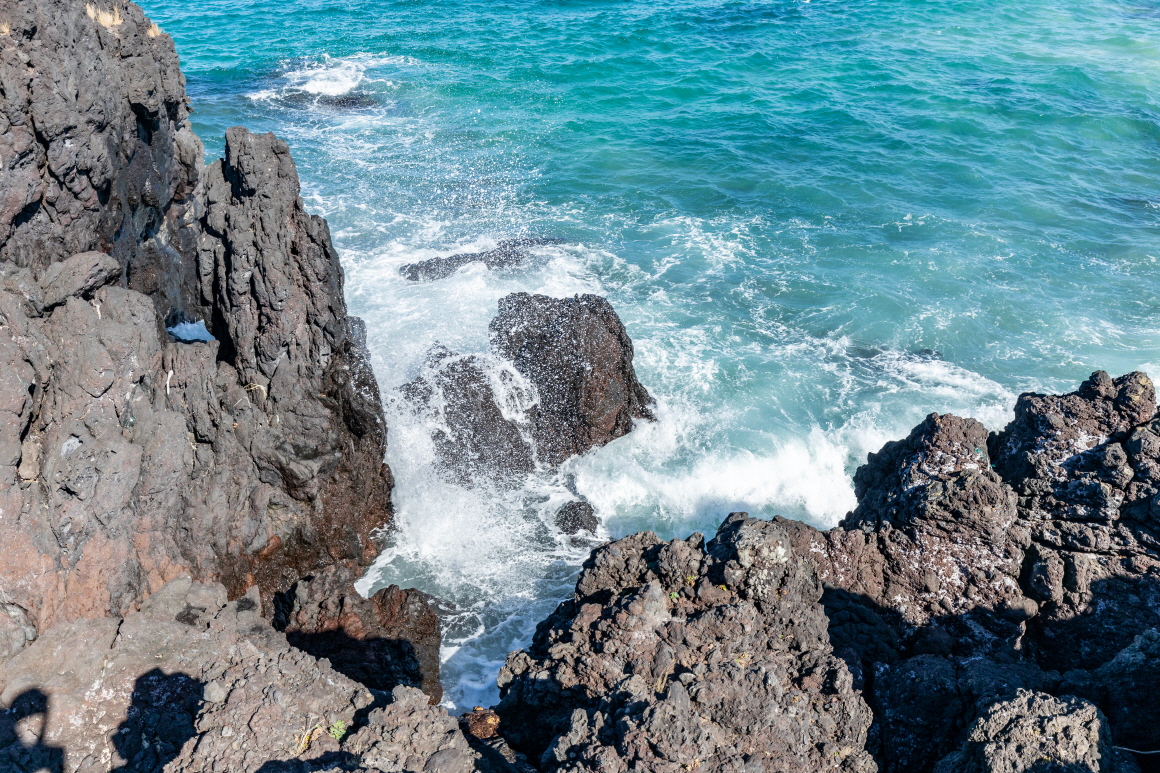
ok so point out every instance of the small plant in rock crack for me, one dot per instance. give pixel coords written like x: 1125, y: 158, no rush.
x: 337, y: 731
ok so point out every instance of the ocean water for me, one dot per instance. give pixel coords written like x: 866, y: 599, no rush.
x: 819, y: 221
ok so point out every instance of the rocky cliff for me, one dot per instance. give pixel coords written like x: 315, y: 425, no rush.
x: 129, y: 457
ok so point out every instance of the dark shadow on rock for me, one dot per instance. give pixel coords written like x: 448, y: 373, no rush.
x: 927, y: 684
x: 17, y: 753
x: 159, y: 721
x: 381, y: 664
x: 327, y: 761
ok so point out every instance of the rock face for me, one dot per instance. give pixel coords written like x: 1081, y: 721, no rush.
x: 193, y: 683
x: 681, y: 655
x: 976, y: 566
x: 563, y: 384
x: 127, y: 458
x: 97, y: 149
x: 390, y: 639
x: 1038, y: 732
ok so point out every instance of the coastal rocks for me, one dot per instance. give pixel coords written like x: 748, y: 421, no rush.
x: 681, y: 655
x: 387, y: 640
x: 508, y: 253
x: 562, y: 384
x: 192, y: 683
x: 1083, y: 466
x: 189, y: 680
x: 575, y: 517
x: 579, y: 357
x: 1038, y: 732
x: 96, y: 145
x: 128, y: 458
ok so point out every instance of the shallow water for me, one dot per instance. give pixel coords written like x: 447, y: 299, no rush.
x: 819, y: 221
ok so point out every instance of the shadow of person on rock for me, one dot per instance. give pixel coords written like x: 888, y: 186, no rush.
x: 159, y: 721
x: 22, y: 746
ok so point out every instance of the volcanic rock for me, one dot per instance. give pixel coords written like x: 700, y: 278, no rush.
x: 387, y: 640
x: 579, y: 357
x: 575, y: 517
x: 1038, y: 732
x: 680, y: 655
x: 508, y: 253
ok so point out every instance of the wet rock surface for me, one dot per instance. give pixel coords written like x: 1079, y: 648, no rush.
x: 681, y: 655
x: 508, y: 253
x: 562, y: 384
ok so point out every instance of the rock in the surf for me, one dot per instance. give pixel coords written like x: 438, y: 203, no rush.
x: 577, y: 516
x: 686, y: 655
x: 573, y: 388
x: 579, y: 357
x: 508, y: 253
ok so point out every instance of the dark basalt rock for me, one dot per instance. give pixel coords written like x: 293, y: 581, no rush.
x: 579, y: 357
x: 1038, y: 732
x: 575, y: 517
x: 126, y: 457
x: 680, y: 654
x: 508, y: 253
x: 576, y: 356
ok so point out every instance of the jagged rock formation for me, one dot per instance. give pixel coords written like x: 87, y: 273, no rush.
x: 682, y: 655
x: 977, y: 570
x: 976, y: 566
x: 390, y: 639
x: 508, y: 253
x: 128, y: 458
x: 193, y: 683
x: 573, y: 388
x: 96, y: 146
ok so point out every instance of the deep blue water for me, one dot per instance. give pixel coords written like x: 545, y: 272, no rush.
x: 819, y: 221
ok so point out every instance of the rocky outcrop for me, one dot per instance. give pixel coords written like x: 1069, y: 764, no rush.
x: 193, y: 683
x: 389, y: 639
x: 681, y: 655
x: 561, y: 383
x: 126, y: 457
x: 1038, y: 732
x: 96, y: 146
x: 508, y: 253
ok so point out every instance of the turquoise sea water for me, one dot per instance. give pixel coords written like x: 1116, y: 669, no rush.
x: 819, y: 221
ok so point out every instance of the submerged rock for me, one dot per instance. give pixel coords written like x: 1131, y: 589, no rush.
x: 508, y: 253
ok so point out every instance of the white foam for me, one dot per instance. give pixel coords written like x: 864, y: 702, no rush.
x: 334, y: 76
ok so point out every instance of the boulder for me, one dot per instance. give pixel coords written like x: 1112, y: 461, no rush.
x: 80, y: 275
x: 1038, y: 732
x: 579, y: 357
x: 575, y: 517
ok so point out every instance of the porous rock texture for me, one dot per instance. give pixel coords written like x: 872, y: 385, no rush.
x: 127, y: 458
x: 684, y: 655
x: 562, y: 383
x: 193, y: 683
x: 977, y: 564
x: 1038, y: 732
x: 978, y: 568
